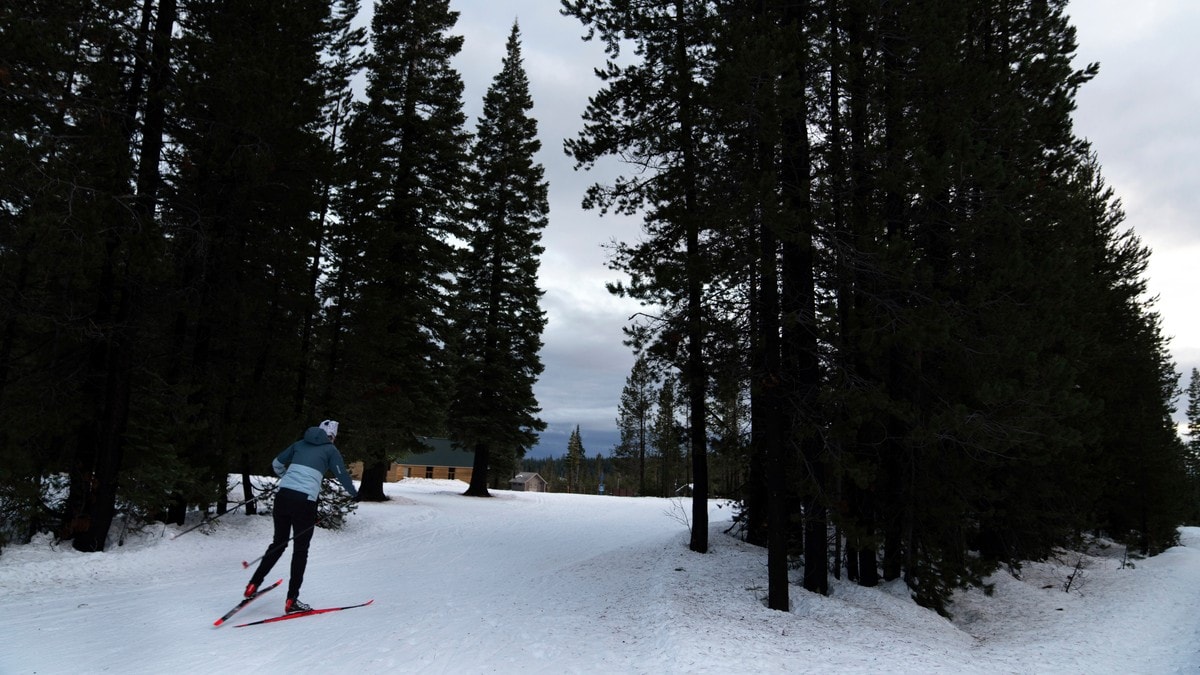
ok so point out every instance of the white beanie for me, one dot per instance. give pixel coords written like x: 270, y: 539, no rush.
x: 329, y: 427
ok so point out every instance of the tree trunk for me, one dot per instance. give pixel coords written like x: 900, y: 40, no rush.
x: 801, y: 360
x: 695, y: 369
x: 99, y: 455
x: 479, y: 473
x: 370, y: 488
x: 100, y: 444
x: 768, y: 424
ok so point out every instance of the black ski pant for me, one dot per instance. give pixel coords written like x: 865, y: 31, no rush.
x: 294, y: 514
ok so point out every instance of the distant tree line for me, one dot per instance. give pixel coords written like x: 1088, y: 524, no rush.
x: 598, y: 474
x: 897, y: 298
x: 208, y: 243
x: 613, y: 474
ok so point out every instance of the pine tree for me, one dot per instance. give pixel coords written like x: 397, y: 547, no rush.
x: 653, y: 112
x: 667, y: 438
x: 634, y: 419
x: 760, y: 96
x: 1193, y: 411
x: 247, y: 163
x: 387, y: 368
x: 343, y: 60
x: 800, y: 362
x: 82, y: 83
x: 1140, y: 462
x: 730, y: 427
x: 747, y: 83
x: 499, y: 322
x: 573, y: 462
x: 1193, y: 445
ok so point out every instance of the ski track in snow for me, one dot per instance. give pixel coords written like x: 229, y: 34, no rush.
x: 550, y: 583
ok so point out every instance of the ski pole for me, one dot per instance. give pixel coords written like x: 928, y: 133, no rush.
x: 213, y: 519
x: 247, y: 563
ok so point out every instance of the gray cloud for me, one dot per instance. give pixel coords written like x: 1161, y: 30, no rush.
x: 586, y: 365
x: 1139, y: 114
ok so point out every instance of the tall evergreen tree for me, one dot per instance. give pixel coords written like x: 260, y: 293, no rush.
x: 760, y: 97
x: 573, y: 461
x: 247, y: 163
x: 1142, y: 477
x: 746, y: 88
x: 342, y: 56
x: 1192, y: 439
x: 79, y: 244
x: 653, y: 112
x: 1193, y: 411
x: 499, y: 322
x: 634, y: 414
x: 343, y: 61
x: 667, y: 438
x: 730, y: 426
x: 388, y: 372
x: 800, y: 362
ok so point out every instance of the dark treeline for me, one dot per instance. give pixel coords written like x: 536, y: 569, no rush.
x: 208, y: 243
x: 896, y: 297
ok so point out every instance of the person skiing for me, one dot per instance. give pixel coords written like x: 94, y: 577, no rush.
x: 301, y: 468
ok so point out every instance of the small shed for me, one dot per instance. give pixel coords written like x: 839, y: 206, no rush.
x: 527, y: 482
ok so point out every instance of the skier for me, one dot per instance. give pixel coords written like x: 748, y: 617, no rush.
x: 301, y: 468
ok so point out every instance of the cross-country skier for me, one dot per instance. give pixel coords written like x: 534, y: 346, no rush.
x: 301, y: 468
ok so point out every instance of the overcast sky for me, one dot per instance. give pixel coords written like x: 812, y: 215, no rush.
x: 1139, y: 114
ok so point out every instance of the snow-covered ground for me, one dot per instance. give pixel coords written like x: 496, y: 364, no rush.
x: 550, y: 583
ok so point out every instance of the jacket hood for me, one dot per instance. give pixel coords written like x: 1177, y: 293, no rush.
x: 316, y: 436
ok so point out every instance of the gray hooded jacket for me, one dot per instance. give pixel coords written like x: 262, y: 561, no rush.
x: 302, y: 466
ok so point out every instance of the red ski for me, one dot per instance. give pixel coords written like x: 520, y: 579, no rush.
x: 297, y: 615
x: 245, y: 602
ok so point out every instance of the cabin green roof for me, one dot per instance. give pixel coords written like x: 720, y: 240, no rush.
x: 442, y: 452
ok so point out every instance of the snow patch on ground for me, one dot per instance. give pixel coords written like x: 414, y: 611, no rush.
x: 551, y: 583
